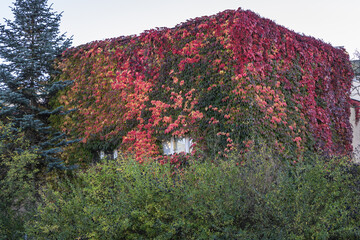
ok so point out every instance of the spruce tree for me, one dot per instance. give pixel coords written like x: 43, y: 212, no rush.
x: 29, y: 44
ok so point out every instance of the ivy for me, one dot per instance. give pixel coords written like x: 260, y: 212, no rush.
x: 228, y: 81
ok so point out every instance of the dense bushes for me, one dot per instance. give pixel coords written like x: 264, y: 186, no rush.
x: 319, y: 200
x: 261, y: 198
x: 18, y: 182
x: 254, y: 195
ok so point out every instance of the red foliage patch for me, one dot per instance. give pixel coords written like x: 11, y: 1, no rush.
x: 224, y: 80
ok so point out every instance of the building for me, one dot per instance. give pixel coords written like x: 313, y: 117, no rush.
x: 224, y: 82
x: 355, y: 110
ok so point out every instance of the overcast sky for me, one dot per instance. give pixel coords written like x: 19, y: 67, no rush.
x: 333, y: 21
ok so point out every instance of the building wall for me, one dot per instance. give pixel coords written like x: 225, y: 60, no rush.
x: 356, y: 135
x: 224, y: 80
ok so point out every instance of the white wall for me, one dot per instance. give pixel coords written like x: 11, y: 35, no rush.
x: 356, y: 135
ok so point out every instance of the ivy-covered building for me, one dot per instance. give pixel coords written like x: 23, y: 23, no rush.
x: 212, y: 85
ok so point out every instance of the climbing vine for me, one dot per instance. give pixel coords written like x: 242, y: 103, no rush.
x: 228, y: 81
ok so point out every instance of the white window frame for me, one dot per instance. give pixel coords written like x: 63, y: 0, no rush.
x: 115, y: 154
x: 173, y: 145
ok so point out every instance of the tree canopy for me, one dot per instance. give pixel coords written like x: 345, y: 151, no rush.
x: 29, y: 45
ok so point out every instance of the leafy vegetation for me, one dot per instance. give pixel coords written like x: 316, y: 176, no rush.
x: 260, y: 199
x: 29, y: 45
x: 18, y: 182
x: 227, y: 81
x: 267, y: 109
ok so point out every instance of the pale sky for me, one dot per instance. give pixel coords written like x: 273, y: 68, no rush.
x: 333, y: 21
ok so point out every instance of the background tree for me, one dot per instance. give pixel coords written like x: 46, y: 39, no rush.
x: 29, y: 45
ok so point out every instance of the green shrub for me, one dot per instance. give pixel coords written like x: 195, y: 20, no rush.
x: 131, y: 201
x: 260, y: 198
x: 17, y: 183
x: 317, y: 199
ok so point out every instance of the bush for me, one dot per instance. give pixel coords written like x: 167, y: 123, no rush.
x: 131, y: 201
x: 260, y: 198
x: 318, y: 199
x: 17, y: 183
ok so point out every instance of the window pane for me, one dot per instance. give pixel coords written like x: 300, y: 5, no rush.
x: 180, y: 145
x: 167, y: 147
x: 102, y: 154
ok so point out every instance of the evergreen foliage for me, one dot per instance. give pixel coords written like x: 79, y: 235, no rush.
x: 28, y: 46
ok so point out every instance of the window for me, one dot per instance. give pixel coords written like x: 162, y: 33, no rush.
x: 177, y: 145
x: 109, y: 155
